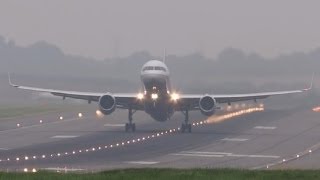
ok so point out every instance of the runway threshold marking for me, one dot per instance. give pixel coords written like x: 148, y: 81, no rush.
x: 4, y: 149
x: 221, y: 154
x: 142, y: 162
x: 234, y: 139
x: 265, y: 127
x: 63, y: 137
x: 114, y: 125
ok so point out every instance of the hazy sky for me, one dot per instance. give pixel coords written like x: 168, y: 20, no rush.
x: 107, y: 28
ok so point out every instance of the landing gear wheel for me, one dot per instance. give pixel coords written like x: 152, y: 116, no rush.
x: 183, y: 128
x: 186, y: 128
x: 133, y: 127
x: 130, y: 127
x: 189, y: 128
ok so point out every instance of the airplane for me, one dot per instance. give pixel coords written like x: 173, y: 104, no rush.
x: 158, y: 99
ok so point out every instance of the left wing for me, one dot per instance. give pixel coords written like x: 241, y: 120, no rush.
x: 192, y: 100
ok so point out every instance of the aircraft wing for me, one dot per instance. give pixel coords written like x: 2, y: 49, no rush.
x: 192, y: 100
x: 122, y: 99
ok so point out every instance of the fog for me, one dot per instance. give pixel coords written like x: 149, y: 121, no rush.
x: 111, y: 28
x: 233, y: 71
x: 213, y: 46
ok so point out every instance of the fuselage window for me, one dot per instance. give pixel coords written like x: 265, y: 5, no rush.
x: 159, y: 68
x: 147, y: 68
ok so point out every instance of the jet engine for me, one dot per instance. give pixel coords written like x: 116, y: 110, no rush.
x: 107, y: 104
x: 207, y: 105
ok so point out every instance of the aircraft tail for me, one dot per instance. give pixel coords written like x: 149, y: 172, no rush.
x: 164, y: 55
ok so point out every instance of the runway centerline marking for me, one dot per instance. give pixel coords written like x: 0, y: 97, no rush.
x: 113, y: 125
x: 62, y: 169
x: 234, y: 139
x: 142, y: 162
x: 63, y: 137
x: 265, y: 127
x: 205, y: 152
x: 221, y: 154
x: 198, y: 155
x: 38, y: 125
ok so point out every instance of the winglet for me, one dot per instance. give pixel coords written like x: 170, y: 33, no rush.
x: 10, y: 82
x: 311, y: 84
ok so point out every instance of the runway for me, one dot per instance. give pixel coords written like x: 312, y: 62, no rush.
x: 256, y: 140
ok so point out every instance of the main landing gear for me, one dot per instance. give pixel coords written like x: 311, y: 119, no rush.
x: 186, y: 126
x: 130, y: 126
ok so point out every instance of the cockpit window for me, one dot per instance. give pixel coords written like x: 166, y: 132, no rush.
x: 160, y: 68
x: 147, y: 68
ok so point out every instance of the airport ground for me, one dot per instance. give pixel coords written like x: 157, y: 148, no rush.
x: 60, y: 140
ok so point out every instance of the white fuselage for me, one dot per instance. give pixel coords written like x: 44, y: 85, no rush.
x: 157, y: 89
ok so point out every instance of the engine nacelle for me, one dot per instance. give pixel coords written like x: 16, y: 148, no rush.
x: 107, y: 104
x: 207, y: 105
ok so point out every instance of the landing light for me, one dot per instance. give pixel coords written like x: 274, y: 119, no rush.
x: 154, y: 96
x: 140, y: 96
x: 175, y: 96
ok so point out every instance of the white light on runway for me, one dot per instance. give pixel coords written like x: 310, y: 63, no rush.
x: 80, y: 115
x: 40, y: 121
x: 99, y: 113
x: 25, y: 170
x: 219, y: 118
x: 18, y: 125
x: 316, y: 109
x: 119, y: 144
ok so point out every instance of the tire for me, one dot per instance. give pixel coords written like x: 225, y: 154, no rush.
x: 133, y: 127
x: 183, y: 128
x: 189, y: 128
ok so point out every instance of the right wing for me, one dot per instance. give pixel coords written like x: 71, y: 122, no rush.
x: 123, y: 100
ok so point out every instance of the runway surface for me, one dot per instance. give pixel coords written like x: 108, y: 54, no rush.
x: 273, y: 138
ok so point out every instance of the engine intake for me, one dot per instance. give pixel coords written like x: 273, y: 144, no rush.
x: 107, y: 104
x: 207, y: 105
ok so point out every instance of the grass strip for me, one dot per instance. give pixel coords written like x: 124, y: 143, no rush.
x: 176, y: 174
